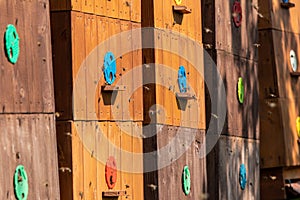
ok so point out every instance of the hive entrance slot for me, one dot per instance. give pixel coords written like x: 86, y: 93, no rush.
x: 113, y: 193
x: 182, y: 9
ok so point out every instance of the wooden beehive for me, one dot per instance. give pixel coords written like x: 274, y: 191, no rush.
x: 92, y: 113
x: 27, y: 121
x: 176, y: 40
x: 279, y: 95
x: 233, y: 46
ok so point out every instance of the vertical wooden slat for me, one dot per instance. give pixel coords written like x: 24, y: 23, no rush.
x: 89, y: 161
x: 77, y: 161
x: 126, y: 177
x: 79, y: 70
x: 102, y: 155
x: 135, y: 10
x: 137, y: 147
x: 88, y: 6
x: 158, y: 14
x: 126, y: 61
x: 92, y: 69
x: 112, y: 8
x: 103, y: 106
x: 138, y: 79
x: 124, y: 9
x: 77, y: 5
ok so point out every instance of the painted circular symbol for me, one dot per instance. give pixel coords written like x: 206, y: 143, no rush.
x: 111, y: 172
x: 110, y: 68
x: 237, y: 13
x: 182, y: 79
x: 186, y: 180
x: 298, y: 126
x: 178, y: 2
x: 241, y: 90
x: 293, y: 60
x: 21, y: 183
x: 12, y: 43
x: 243, y: 177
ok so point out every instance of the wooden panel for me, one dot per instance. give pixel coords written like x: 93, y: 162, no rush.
x: 61, y: 48
x: 88, y: 6
x: 242, y: 119
x: 137, y: 148
x: 228, y: 155
x: 115, y: 28
x: 158, y: 14
x: 272, y: 148
x: 290, y: 110
x: 135, y: 10
x: 138, y: 78
x: 77, y: 4
x: 100, y: 7
x: 78, y: 67
x: 272, y: 188
x: 126, y: 65
x: 283, y: 43
x: 124, y: 9
x: 58, y: 5
x: 29, y: 140
x: 27, y: 86
x: 92, y: 69
x: 112, y: 8
x: 169, y: 177
x: 280, y: 18
x: 89, y: 160
x: 101, y: 155
x: 103, y: 110
x: 239, y: 41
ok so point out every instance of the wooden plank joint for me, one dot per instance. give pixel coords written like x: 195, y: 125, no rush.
x: 113, y: 193
x: 287, y: 5
x: 182, y: 9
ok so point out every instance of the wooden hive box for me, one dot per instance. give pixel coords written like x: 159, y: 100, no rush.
x: 28, y: 136
x: 176, y: 42
x: 80, y: 42
x: 83, y: 149
x: 173, y: 148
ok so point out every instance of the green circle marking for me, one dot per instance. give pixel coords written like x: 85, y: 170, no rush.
x: 241, y: 90
x: 12, y: 43
x: 186, y: 180
x: 21, y: 183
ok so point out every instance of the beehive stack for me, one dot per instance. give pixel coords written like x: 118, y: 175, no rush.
x: 230, y: 37
x: 27, y: 123
x: 279, y: 96
x: 174, y: 32
x: 91, y: 119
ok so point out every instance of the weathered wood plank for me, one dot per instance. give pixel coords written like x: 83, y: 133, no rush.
x: 30, y: 140
x: 228, y: 155
x: 135, y: 10
x: 88, y: 6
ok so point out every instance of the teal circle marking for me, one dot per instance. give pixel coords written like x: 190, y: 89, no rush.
x: 186, y: 180
x: 12, y: 43
x: 182, y: 79
x: 241, y: 93
x: 110, y: 68
x: 243, y: 177
x: 21, y: 183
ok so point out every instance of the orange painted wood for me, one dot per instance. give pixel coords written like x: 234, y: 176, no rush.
x: 77, y: 160
x: 78, y: 70
x: 158, y: 14
x: 103, y: 101
x: 88, y: 6
x: 124, y: 9
x: 138, y: 77
x: 93, y: 71
x: 126, y: 61
x: 135, y: 10
x: 112, y: 8
x: 89, y: 160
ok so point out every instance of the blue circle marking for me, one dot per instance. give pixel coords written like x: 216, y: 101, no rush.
x: 182, y: 79
x: 110, y: 68
x: 243, y: 176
